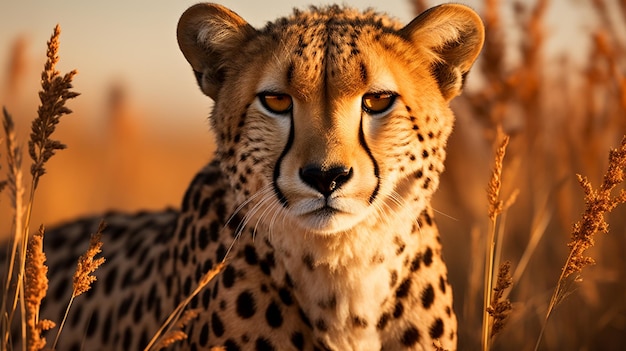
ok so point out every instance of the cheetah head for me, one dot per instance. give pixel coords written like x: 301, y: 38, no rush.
x: 331, y: 118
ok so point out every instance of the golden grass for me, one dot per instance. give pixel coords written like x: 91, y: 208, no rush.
x: 83, y: 278
x: 562, y: 119
x: 171, y: 330
x: 27, y: 258
x: 36, y: 287
x: 496, y: 307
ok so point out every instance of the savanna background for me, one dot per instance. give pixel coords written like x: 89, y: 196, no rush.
x: 552, y: 76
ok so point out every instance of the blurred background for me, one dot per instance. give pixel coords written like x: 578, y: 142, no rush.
x: 551, y: 76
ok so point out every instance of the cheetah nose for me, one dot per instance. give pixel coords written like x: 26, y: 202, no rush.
x: 325, y: 181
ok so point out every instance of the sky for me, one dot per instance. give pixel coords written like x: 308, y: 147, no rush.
x: 133, y: 44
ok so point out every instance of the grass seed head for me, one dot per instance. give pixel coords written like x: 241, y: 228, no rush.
x: 87, y: 263
x: 36, y: 286
x: 56, y: 90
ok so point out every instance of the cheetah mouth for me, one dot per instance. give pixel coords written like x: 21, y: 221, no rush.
x: 325, y: 211
x: 326, y: 219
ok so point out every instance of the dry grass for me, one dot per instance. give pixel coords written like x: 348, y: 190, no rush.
x: 25, y: 283
x: 563, y: 118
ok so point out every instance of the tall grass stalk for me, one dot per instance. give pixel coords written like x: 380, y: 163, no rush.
x: 494, y: 244
x: 56, y: 90
x: 598, y: 202
x: 161, y: 338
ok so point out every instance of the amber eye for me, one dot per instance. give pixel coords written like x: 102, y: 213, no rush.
x: 378, y: 102
x: 276, y: 103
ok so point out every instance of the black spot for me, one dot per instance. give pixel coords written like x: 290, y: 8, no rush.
x: 143, y: 339
x: 290, y: 70
x: 59, y: 291
x: 220, y: 253
x: 273, y: 315
x: 419, y: 174
x: 152, y: 295
x: 448, y: 311
x: 308, y: 261
x: 93, y: 324
x: 109, y: 280
x: 320, y: 324
x: 106, y: 328
x: 228, y: 277
x: 428, y: 257
x: 250, y: 255
x: 262, y: 344
x: 127, y: 341
x: 186, y: 222
x: 125, y: 306
x: 420, y: 137
x: 204, y: 207
x: 404, y: 288
x: 157, y: 309
x: 267, y: 264
x: 163, y: 259
x: 410, y: 336
x: 297, y: 340
x: 427, y: 217
x: 231, y: 345
x: 206, y: 298
x: 216, y: 325
x: 359, y: 322
x: 436, y: 329
x: 428, y: 296
x: 204, y: 334
x: 305, y: 319
x: 147, y: 272
x: 425, y: 154
x: 415, y: 264
x: 394, y: 278
x: 426, y: 183
x: 364, y: 73
x: 187, y: 286
x: 215, y: 290
x: 288, y: 280
x: 214, y: 232
x: 138, y: 311
x: 246, y: 306
x: 398, y: 310
x: 442, y: 284
x: 382, y: 322
x: 285, y: 296
x: 203, y: 238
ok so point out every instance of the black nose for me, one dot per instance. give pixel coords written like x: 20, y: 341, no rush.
x: 325, y: 181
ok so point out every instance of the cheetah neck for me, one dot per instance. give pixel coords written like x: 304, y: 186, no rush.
x: 343, y: 282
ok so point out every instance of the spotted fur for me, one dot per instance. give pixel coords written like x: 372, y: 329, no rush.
x: 321, y: 208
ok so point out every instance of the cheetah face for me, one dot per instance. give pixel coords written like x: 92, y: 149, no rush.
x: 331, y: 117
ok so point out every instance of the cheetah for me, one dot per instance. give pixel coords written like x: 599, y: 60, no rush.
x: 330, y: 126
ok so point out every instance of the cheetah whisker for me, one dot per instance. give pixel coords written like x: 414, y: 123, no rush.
x: 248, y: 216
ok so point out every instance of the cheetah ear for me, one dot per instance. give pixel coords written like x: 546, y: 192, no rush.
x: 454, y: 34
x: 208, y: 35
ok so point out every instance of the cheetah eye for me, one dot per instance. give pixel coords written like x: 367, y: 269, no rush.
x: 375, y: 103
x: 276, y: 102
